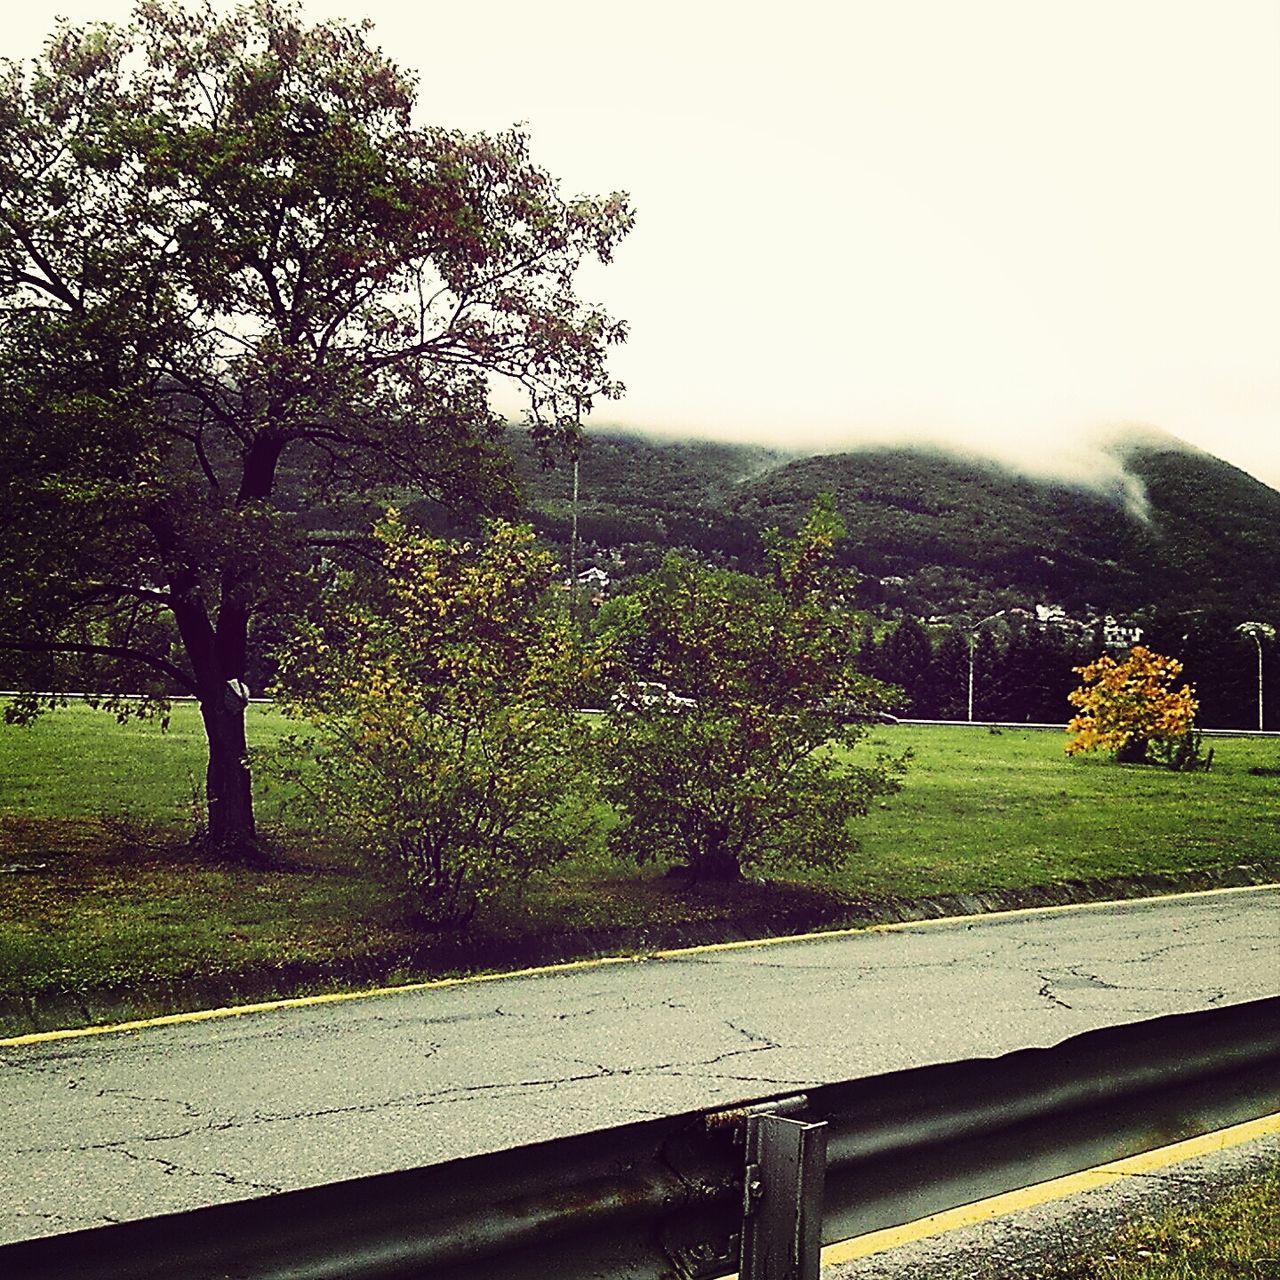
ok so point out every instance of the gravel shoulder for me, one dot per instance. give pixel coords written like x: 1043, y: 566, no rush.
x: 1053, y: 1241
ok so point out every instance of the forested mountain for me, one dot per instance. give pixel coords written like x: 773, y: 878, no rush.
x: 1175, y: 541
x: 933, y: 533
x: 642, y: 497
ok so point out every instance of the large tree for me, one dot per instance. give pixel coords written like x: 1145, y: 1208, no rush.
x: 228, y: 253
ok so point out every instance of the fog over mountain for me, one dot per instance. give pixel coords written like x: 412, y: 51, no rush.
x: 990, y: 226
x: 1093, y: 460
x: 1139, y: 521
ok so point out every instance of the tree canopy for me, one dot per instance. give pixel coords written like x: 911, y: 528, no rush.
x: 227, y: 247
x: 1131, y: 707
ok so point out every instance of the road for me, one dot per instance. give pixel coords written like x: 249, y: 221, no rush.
x: 124, y: 1125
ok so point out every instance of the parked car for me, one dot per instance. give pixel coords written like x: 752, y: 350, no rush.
x: 641, y: 694
x: 851, y: 713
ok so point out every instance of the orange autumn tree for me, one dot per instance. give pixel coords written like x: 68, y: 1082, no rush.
x: 1131, y: 708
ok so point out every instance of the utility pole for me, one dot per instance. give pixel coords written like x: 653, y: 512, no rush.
x: 573, y: 537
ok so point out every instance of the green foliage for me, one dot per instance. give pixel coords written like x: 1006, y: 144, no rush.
x: 1185, y: 754
x: 442, y: 732
x: 226, y: 248
x: 745, y: 777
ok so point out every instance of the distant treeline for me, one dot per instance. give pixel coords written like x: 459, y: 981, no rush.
x: 1024, y: 672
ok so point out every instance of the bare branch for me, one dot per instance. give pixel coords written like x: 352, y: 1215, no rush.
x: 105, y: 651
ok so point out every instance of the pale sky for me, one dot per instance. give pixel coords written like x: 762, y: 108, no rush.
x: 1000, y: 224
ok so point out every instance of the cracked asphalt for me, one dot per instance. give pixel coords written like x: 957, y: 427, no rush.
x: 126, y: 1125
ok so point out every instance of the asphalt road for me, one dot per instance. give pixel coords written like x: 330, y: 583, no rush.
x: 118, y: 1126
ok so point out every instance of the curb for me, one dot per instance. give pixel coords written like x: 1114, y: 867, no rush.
x: 49, y: 1011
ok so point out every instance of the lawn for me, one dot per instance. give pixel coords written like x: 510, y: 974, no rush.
x: 97, y: 887
x: 998, y: 810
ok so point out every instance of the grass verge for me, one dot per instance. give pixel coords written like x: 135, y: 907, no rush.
x: 1235, y: 1236
x: 104, y: 913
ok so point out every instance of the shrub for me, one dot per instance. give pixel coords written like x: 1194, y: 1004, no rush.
x: 744, y: 776
x: 1131, y: 708
x: 439, y: 701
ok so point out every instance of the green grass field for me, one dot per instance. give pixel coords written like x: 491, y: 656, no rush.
x: 998, y: 810
x: 98, y: 888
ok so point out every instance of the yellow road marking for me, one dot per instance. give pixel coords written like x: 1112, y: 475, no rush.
x: 299, y: 1002
x: 1056, y: 1189
x: 339, y: 997
x: 901, y: 926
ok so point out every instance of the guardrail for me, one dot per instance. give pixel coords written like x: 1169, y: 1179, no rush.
x: 695, y: 1196
x: 599, y: 711
x: 1062, y: 728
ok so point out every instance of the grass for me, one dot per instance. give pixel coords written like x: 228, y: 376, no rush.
x: 97, y: 887
x: 1236, y: 1236
x: 987, y: 810
x: 79, y: 763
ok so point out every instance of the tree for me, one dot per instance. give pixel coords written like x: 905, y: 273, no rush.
x: 746, y: 777
x: 227, y: 253
x: 439, y: 697
x: 950, y: 674
x: 1130, y: 707
x: 904, y: 659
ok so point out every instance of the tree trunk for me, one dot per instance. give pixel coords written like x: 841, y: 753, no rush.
x: 1133, y: 752
x: 716, y: 863
x: 228, y: 787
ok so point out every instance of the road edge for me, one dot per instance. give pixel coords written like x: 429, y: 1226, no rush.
x: 635, y: 957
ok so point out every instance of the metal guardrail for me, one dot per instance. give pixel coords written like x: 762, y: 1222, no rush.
x: 693, y: 1196
x: 599, y: 711
x: 1062, y: 728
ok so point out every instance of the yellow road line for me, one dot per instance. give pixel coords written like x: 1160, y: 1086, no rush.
x: 1056, y: 1189
x: 300, y: 1002
x: 339, y: 997
x: 904, y: 925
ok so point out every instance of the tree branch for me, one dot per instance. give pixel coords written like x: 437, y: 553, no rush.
x: 104, y: 651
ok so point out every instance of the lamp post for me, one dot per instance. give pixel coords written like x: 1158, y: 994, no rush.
x: 973, y: 635
x: 1256, y: 631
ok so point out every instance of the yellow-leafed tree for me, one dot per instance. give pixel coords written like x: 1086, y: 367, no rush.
x: 439, y: 702
x: 1131, y: 708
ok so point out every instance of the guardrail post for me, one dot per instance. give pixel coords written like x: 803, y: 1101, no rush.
x: 785, y: 1176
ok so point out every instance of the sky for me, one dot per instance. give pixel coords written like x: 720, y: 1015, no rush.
x: 1001, y: 225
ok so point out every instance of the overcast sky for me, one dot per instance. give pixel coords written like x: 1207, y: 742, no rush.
x: 1003, y: 224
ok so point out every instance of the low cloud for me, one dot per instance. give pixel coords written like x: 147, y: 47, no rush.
x: 1092, y: 459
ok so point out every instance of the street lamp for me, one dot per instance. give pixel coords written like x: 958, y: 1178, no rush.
x: 1256, y: 631
x: 973, y: 635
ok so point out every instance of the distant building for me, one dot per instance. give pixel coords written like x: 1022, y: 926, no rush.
x: 1119, y: 635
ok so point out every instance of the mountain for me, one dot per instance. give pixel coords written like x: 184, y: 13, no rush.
x: 641, y: 497
x: 1172, y: 529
